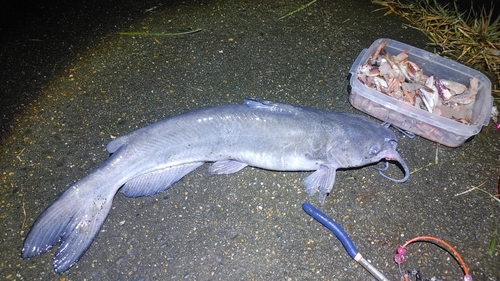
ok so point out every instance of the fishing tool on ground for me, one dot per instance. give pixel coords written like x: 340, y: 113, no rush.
x: 398, y: 258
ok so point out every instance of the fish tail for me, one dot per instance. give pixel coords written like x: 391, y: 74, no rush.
x: 74, y: 220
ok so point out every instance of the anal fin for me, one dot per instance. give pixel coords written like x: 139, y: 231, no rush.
x: 226, y: 167
x: 157, y: 181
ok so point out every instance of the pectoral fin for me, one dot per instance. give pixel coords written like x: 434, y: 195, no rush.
x: 322, y: 180
x: 226, y: 167
x: 157, y: 181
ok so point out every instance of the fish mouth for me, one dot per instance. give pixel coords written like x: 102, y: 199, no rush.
x: 394, y: 156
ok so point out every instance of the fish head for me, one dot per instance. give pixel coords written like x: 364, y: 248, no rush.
x: 365, y: 142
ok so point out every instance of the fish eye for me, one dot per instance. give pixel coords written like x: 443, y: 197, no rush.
x: 374, y: 149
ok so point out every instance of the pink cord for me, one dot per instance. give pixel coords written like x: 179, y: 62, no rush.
x: 399, y: 257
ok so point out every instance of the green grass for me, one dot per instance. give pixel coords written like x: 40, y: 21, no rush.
x: 470, y: 38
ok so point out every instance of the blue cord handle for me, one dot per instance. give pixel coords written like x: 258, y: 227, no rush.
x: 333, y: 226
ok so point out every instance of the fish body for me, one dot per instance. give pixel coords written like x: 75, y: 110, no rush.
x: 258, y: 133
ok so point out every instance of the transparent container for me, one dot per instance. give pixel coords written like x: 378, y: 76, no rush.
x: 411, y: 118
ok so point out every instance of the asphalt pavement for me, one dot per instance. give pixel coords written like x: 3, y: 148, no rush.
x: 76, y: 75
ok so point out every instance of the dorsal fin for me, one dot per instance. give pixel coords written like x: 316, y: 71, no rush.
x: 272, y: 106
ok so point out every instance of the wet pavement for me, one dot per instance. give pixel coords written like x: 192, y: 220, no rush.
x: 70, y: 83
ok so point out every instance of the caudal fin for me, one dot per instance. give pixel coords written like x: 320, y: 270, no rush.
x: 74, y: 219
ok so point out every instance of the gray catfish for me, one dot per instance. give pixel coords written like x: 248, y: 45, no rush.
x: 258, y: 133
